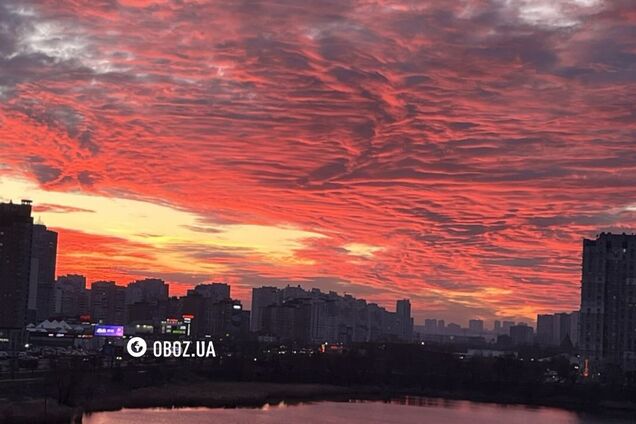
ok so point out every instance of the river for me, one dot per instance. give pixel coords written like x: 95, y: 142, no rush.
x: 409, y: 410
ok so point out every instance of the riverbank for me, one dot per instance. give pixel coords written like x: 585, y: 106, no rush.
x: 251, y: 394
x: 565, y: 402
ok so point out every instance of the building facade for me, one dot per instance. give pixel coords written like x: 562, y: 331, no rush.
x: 476, y: 326
x: 151, y: 290
x: 318, y: 317
x: 214, y: 291
x: 521, y: 334
x: 108, y: 302
x: 608, y: 301
x: 262, y: 297
x: 16, y: 230
x: 43, y: 264
x: 403, y: 311
x: 545, y: 329
x: 71, y: 298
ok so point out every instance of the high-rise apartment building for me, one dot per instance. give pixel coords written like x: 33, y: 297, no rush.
x: 151, y: 290
x: 608, y: 300
x: 42, y: 276
x: 71, y: 298
x: 405, y: 321
x: 476, y: 326
x: 521, y: 334
x: 16, y: 229
x: 215, y: 291
x: 262, y: 297
x: 545, y: 329
x: 292, y: 312
x: 108, y: 302
x: 575, y: 330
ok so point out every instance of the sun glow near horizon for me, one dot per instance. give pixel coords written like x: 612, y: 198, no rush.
x: 158, y: 226
x: 172, y: 239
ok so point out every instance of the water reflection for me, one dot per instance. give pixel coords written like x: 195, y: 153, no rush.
x: 405, y: 410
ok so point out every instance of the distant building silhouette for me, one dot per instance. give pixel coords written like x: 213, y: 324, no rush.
x: 108, y: 302
x: 521, y: 334
x: 226, y: 317
x: 476, y: 326
x: 152, y: 290
x: 289, y: 321
x: 71, y: 298
x: 505, y: 326
x: 215, y: 291
x: 262, y: 297
x: 403, y: 310
x: 553, y: 329
x: 213, y: 312
x: 545, y: 329
x: 42, y: 276
x: 311, y: 315
x: 453, y: 329
x: 430, y: 326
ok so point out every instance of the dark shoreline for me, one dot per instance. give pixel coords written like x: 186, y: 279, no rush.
x: 255, y: 395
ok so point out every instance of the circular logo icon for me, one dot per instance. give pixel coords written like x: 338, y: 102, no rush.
x: 136, y: 347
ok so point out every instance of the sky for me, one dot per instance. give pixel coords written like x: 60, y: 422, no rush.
x: 454, y: 152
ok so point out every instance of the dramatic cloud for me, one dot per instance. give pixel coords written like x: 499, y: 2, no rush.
x: 454, y: 152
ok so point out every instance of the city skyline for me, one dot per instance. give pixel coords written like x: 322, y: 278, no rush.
x: 453, y: 153
x: 297, y: 321
x: 41, y: 299
x: 47, y: 291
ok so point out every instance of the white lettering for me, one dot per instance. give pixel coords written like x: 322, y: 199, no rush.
x: 186, y: 349
x: 183, y: 349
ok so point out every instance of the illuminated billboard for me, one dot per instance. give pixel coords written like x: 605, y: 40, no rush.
x: 109, y: 330
x: 176, y: 327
